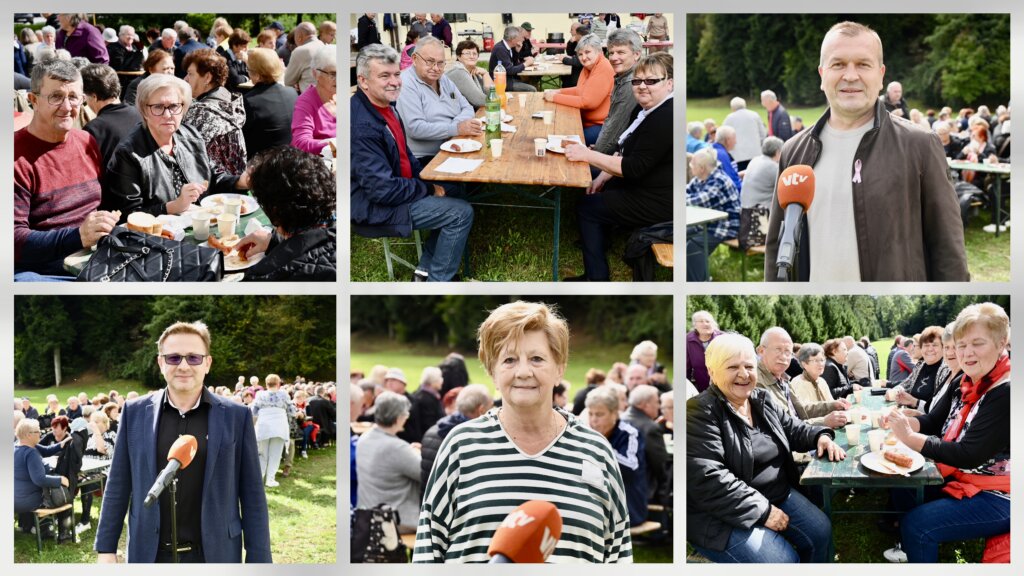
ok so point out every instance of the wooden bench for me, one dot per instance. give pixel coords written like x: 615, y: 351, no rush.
x: 744, y: 254
x: 41, y: 514
x: 646, y: 528
x: 664, y: 254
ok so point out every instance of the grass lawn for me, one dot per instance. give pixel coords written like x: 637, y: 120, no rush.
x: 700, y: 109
x: 303, y: 520
x: 413, y: 358
x: 90, y: 384
x: 507, y: 244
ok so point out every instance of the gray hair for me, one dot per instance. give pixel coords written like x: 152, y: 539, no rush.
x: 625, y: 37
x: 706, y: 157
x: 643, y: 394
x: 511, y: 33
x: 641, y: 348
x: 48, y: 30
x: 427, y: 41
x: 940, y: 124
x: 603, y: 396
x: 808, y: 351
x: 324, y: 58
x: 388, y: 408
x: 179, y: 24
x: 724, y: 133
x: 125, y: 30
x: 771, y: 146
x: 947, y: 332
x: 75, y: 18
x: 472, y: 398
x: 26, y: 427
x: 62, y: 70
x: 695, y: 128
x: 773, y: 330
x: 169, y: 33
x: 737, y: 103
x: 156, y: 82
x: 590, y: 40
x: 430, y: 375
x: 770, y: 95
x: 385, y: 54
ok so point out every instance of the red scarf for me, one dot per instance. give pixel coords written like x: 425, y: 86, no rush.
x: 968, y: 485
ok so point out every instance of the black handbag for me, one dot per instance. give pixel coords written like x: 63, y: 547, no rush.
x: 375, y: 538
x: 128, y: 256
x: 56, y: 497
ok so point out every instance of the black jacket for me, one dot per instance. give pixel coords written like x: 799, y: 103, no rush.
x: 238, y: 71
x: 139, y: 178
x: 323, y: 412
x: 658, y: 489
x: 121, y: 59
x: 112, y: 125
x: 268, y: 116
x: 425, y: 411
x: 501, y: 53
x: 431, y: 443
x: 838, y: 381
x: 367, y: 32
x: 309, y: 256
x: 720, y: 464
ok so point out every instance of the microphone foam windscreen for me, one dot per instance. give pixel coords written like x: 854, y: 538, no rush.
x: 183, y: 450
x: 529, y: 533
x: 796, y: 185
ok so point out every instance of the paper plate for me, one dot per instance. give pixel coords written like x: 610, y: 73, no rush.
x: 876, y: 462
x: 465, y: 146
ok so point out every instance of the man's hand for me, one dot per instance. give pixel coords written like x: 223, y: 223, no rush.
x: 528, y: 61
x: 106, y: 558
x: 842, y: 404
x: 438, y: 191
x: 470, y: 127
x: 95, y: 226
x: 777, y: 520
x: 835, y: 419
x: 827, y: 446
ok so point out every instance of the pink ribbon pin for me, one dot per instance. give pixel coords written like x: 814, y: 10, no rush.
x: 856, y: 172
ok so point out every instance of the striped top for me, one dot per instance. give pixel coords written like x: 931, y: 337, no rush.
x: 480, y: 476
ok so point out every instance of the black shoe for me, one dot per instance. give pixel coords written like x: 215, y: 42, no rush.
x: 418, y: 276
x: 580, y: 278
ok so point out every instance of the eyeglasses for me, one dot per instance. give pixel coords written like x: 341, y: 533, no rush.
x: 160, y: 109
x: 646, y: 81
x: 333, y: 75
x: 439, y: 64
x: 56, y: 99
x: 192, y: 359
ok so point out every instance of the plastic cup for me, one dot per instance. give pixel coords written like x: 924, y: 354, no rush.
x: 522, y: 100
x: 496, y: 148
x: 857, y: 396
x: 233, y: 205
x: 549, y: 117
x: 201, y: 225
x: 540, y: 147
x: 875, y: 439
x: 853, y: 434
x: 226, y: 224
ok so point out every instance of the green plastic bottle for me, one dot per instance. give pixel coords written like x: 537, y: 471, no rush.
x: 493, y: 106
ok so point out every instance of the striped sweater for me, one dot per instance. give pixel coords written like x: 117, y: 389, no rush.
x: 480, y: 476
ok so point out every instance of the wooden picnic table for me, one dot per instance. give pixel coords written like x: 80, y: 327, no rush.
x: 1001, y: 171
x: 518, y: 165
x: 550, y: 68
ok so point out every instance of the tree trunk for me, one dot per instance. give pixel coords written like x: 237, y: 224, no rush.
x: 56, y: 366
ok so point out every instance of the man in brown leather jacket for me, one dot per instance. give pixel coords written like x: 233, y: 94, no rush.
x: 884, y: 207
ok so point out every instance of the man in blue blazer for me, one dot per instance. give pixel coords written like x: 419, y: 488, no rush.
x: 220, y: 494
x: 504, y: 52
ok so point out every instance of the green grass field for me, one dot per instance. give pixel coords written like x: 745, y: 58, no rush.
x: 91, y: 385
x: 303, y: 520
x: 700, y: 109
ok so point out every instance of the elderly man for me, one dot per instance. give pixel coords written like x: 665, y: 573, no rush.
x: 123, y: 55
x: 431, y: 105
x: 503, y: 52
x: 80, y: 38
x: 527, y: 49
x: 775, y: 353
x: 952, y: 144
x: 366, y: 30
x: 750, y: 131
x: 725, y: 143
x: 300, y: 71
x: 57, y: 172
x: 114, y: 120
x: 636, y: 375
x: 624, y: 48
x: 778, y: 119
x: 327, y: 32
x: 472, y: 402
x: 642, y: 413
x: 901, y: 361
x: 884, y: 207
x: 441, y: 29
x: 858, y: 363
x: 421, y: 25
x: 187, y: 44
x: 426, y: 407
x: 695, y: 137
x: 388, y: 196
x: 167, y: 41
x: 576, y: 31
x: 893, y: 100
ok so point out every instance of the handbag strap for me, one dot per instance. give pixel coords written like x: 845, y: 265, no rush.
x: 138, y: 252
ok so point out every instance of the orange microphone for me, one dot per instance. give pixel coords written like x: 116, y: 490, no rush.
x: 528, y: 535
x: 178, y: 458
x: 795, y: 193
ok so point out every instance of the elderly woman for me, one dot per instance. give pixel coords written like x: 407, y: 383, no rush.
x: 217, y: 114
x: 30, y: 476
x: 113, y: 412
x: 968, y: 436
x: 758, y: 189
x: 271, y: 409
x: 297, y: 193
x: 472, y: 81
x: 524, y: 347
x: 811, y: 395
x: 711, y: 188
x: 162, y: 166
x: 314, y: 124
x: 919, y: 388
x: 704, y: 330
x: 835, y: 373
x: 158, y: 62
x: 388, y: 467
x: 268, y: 105
x: 634, y: 188
x: 47, y: 40
x: 236, y: 54
x: 603, y: 417
x: 51, y: 411
x: 742, y: 502
x: 592, y: 93
x: 947, y: 381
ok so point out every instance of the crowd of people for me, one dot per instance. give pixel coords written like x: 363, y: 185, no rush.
x: 411, y: 455
x: 408, y: 105
x: 777, y: 406
x: 118, y: 126
x: 290, y: 419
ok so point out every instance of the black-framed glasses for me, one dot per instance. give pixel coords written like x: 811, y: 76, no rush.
x: 160, y: 109
x: 646, y: 81
x: 333, y: 75
x: 56, y: 98
x: 191, y: 359
x: 431, y: 63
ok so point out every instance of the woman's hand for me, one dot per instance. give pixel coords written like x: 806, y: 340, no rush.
x: 549, y: 95
x: 577, y: 153
x: 598, y: 184
x: 904, y: 398
x: 777, y: 520
x: 332, y: 105
x: 899, y: 423
x: 857, y: 387
x: 254, y: 243
x: 826, y: 445
x: 64, y: 481
x: 189, y: 194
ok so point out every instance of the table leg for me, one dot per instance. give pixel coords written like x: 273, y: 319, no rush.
x: 557, y: 229
x: 827, y: 494
x: 707, y: 252
x: 998, y: 212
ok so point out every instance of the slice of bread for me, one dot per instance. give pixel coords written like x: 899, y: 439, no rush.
x: 145, y: 223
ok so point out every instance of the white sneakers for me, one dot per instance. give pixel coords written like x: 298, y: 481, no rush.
x: 82, y: 527
x: 304, y: 455
x: 896, y: 555
x: 271, y: 483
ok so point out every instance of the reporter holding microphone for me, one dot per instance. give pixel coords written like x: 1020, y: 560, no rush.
x: 220, y: 496
x: 525, y: 450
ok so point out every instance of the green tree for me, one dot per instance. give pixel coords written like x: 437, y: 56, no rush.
x: 43, y: 330
x: 789, y: 314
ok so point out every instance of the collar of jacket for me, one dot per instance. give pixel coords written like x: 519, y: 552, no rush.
x: 881, y: 119
x: 374, y: 113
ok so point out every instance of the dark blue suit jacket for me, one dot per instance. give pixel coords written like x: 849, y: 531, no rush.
x: 501, y: 53
x: 233, y: 499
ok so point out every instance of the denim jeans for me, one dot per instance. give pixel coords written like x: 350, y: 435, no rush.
x: 595, y: 219
x: 26, y: 276
x: 946, y: 518
x: 450, y: 220
x: 591, y: 134
x: 809, y: 531
x: 697, y: 260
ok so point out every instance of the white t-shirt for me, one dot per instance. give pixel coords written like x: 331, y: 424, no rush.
x: 833, y: 233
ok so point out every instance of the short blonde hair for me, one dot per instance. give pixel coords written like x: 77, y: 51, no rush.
x: 726, y: 347
x: 99, y: 417
x: 197, y: 328
x: 991, y: 316
x: 507, y: 324
x: 266, y: 64
x: 26, y: 427
x: 157, y: 82
x: 642, y: 348
x: 272, y: 380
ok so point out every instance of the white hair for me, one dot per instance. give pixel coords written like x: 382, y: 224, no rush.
x: 737, y: 103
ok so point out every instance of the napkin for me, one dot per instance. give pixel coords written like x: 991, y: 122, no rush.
x: 505, y: 127
x: 458, y: 165
x: 253, y: 226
